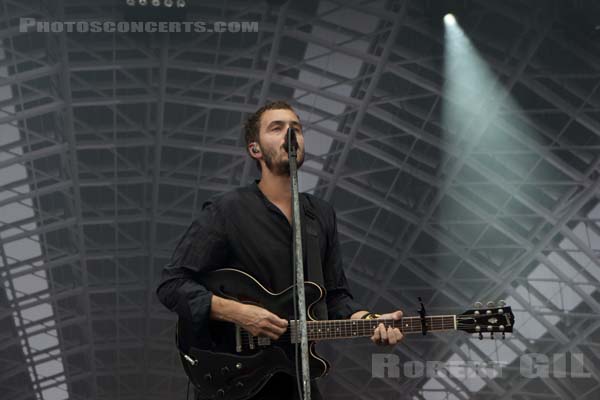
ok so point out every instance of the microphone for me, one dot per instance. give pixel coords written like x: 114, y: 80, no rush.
x: 290, y: 138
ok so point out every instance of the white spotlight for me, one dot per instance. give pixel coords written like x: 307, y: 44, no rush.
x: 449, y: 19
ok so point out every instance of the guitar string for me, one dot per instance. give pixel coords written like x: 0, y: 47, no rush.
x: 356, y: 329
x: 432, y: 322
x: 283, y: 338
x: 351, y: 331
x: 415, y: 322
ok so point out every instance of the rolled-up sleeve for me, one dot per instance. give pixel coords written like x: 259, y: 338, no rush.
x: 340, y: 303
x: 202, y: 248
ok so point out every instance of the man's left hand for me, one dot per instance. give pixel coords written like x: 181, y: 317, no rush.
x: 388, y: 336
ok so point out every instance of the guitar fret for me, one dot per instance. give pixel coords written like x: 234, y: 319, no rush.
x: 348, y: 328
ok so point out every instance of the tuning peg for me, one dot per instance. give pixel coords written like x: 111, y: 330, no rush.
x: 478, y: 304
x: 503, y: 335
x: 501, y: 303
x: 491, y: 304
x: 480, y: 336
x: 492, y: 335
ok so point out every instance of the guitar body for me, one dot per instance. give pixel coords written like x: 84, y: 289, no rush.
x: 231, y: 364
x: 236, y: 365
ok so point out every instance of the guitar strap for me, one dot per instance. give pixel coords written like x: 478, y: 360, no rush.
x: 314, y: 268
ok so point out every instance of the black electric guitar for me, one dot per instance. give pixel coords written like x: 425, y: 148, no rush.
x: 237, y: 365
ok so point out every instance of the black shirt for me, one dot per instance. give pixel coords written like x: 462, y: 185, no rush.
x: 243, y: 229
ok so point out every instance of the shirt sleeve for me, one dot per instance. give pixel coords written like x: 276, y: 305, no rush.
x: 202, y: 248
x: 340, y: 303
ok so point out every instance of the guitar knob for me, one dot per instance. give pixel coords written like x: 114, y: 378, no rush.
x: 478, y: 304
x: 220, y: 393
x: 225, y: 370
x: 491, y: 304
x: 501, y: 303
x: 208, y: 377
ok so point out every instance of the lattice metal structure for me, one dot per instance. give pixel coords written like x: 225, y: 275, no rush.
x: 110, y: 142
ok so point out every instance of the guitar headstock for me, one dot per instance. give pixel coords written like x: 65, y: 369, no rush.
x: 492, y: 318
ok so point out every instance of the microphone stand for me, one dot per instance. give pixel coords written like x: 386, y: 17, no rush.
x: 292, y: 148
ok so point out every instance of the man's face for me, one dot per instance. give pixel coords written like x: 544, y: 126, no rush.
x: 272, y: 136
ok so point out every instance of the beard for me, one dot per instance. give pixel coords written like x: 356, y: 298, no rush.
x: 280, y: 166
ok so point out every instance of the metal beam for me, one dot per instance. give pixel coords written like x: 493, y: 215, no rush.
x: 365, y: 102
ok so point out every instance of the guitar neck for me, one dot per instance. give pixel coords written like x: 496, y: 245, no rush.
x: 351, y: 328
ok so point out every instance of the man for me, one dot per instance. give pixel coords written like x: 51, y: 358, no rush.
x: 250, y: 228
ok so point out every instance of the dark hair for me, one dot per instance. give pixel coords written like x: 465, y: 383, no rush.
x: 252, y: 125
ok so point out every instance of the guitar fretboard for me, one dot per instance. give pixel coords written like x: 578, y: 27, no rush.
x: 349, y: 328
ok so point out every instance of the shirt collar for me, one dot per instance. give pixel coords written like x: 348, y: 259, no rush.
x: 254, y: 187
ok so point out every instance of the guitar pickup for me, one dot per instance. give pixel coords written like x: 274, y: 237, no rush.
x: 251, y: 341
x: 238, y: 339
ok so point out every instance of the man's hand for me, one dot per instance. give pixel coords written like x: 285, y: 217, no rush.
x: 261, y: 322
x: 256, y: 320
x: 389, y: 336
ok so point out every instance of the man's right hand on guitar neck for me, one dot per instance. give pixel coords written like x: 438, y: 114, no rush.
x: 256, y: 320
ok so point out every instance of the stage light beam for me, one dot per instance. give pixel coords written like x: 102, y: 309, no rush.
x: 449, y: 19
